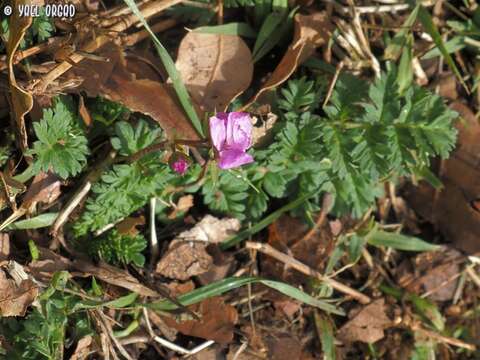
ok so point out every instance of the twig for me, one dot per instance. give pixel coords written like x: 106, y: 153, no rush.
x: 445, y: 339
x: 154, y: 248
x: 327, y: 203
x: 80, y: 194
x: 112, y: 336
x: 338, y: 69
x: 305, y: 269
x: 473, y: 275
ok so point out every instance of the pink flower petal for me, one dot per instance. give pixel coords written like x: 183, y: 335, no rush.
x: 218, y: 133
x: 233, y: 158
x: 239, y: 131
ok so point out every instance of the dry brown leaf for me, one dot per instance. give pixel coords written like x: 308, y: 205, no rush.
x: 261, y: 129
x: 211, y: 230
x: 183, y: 260
x: 114, y: 276
x: 368, y: 325
x: 113, y: 80
x: 311, y: 31
x: 83, y: 112
x: 217, y: 321
x: 152, y: 99
x: 83, y: 348
x: 215, y: 68
x: 284, y: 347
x: 184, y: 204
x: 45, y: 189
x: 15, y: 299
x: 21, y: 100
x: 48, y: 263
x: 129, y: 225
x: 187, y: 255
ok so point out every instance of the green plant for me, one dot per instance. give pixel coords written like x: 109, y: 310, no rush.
x: 367, y: 134
x: 126, y: 187
x: 118, y: 248
x: 61, y: 146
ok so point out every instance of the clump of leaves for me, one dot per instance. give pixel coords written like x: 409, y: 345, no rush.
x: 61, y: 146
x: 126, y: 187
x: 368, y: 133
x: 106, y: 111
x: 43, y: 332
x: 116, y: 248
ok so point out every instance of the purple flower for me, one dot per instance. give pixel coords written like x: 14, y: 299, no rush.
x: 231, y: 135
x: 179, y: 164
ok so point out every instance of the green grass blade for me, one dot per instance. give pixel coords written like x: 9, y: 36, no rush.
x: 167, y: 61
x: 399, y: 242
x: 327, y: 338
x: 235, y: 28
x: 405, y: 69
x: 37, y: 222
x: 299, y: 295
x: 262, y: 224
x: 222, y: 286
x: 271, y: 23
x: 394, y: 49
x: 431, y: 29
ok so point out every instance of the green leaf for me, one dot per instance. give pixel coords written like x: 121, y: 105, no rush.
x: 62, y: 145
x: 399, y: 242
x: 222, y: 286
x: 167, y: 61
x: 235, y: 28
x: 37, y: 222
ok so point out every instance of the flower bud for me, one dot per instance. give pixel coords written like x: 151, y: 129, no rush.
x: 179, y: 163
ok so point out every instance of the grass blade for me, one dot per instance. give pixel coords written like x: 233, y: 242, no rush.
x: 432, y: 30
x: 262, y: 224
x: 235, y: 28
x: 167, y: 61
x: 222, y: 286
x: 37, y: 222
x: 399, y: 242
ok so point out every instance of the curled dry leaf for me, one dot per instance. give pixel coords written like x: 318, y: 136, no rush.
x: 368, y: 325
x: 113, y: 80
x: 215, y: 68
x: 187, y: 255
x: 114, y: 276
x: 217, y: 321
x: 311, y: 31
x: 183, y: 205
x: 45, y: 189
x: 21, y: 100
x: 184, y: 259
x: 15, y: 298
x: 83, y: 348
x: 211, y: 230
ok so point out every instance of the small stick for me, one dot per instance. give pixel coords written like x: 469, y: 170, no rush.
x: 307, y: 270
x: 444, y: 339
x: 473, y: 275
x: 339, y: 68
x: 326, y: 205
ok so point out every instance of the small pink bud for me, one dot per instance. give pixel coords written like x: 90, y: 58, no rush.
x: 179, y: 163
